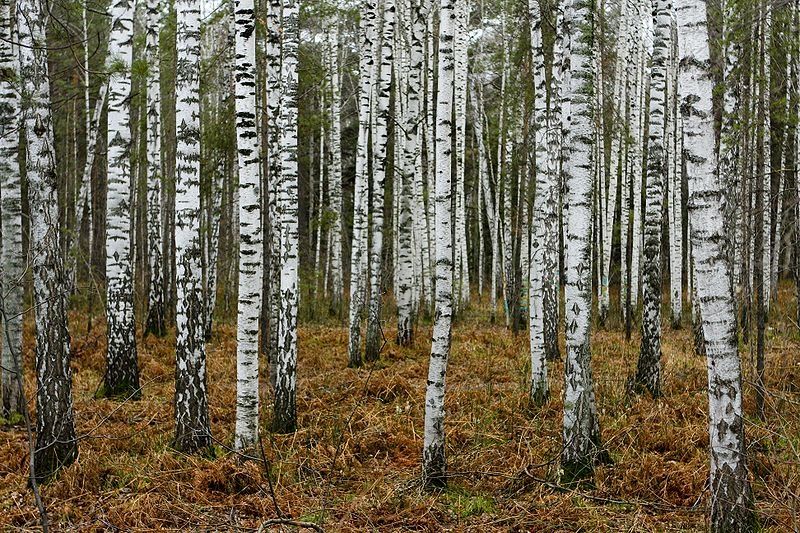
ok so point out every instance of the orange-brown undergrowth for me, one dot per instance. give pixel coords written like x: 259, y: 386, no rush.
x: 354, y: 464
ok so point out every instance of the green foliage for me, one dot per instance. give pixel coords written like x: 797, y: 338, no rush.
x: 13, y: 419
x: 464, y: 503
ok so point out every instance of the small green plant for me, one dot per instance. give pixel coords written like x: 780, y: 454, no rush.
x: 464, y: 504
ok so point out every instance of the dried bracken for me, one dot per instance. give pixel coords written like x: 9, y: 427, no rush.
x: 354, y: 462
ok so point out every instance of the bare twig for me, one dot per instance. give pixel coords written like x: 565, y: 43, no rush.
x: 289, y: 522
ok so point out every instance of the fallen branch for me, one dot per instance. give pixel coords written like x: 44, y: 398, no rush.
x: 289, y: 522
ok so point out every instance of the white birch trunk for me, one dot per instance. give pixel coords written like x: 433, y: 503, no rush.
x: 618, y: 135
x: 433, y: 451
x: 358, y: 254
x: 637, y: 155
x: 648, y: 371
x: 730, y: 491
x: 380, y: 156
x: 272, y: 152
x: 542, y: 245
x: 335, y: 178
x: 192, y: 427
x: 122, y: 370
x: 250, y: 245
x: 285, y: 409
x: 155, y: 242
x: 765, y: 64
x: 460, y: 108
x: 12, y: 262
x: 581, y: 432
x: 56, y: 442
x: 675, y: 190
x: 552, y: 293
x: 412, y: 178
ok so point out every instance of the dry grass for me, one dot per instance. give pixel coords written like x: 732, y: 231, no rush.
x: 354, y: 463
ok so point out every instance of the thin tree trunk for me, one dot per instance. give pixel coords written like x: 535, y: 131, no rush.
x: 552, y: 291
x: 122, y: 369
x: 285, y: 409
x: 250, y: 245
x: 358, y: 254
x: 380, y: 160
x: 434, y: 464
x: 273, y: 89
x: 155, y: 302
x: 544, y: 204
x: 335, y: 179
x: 12, y: 260
x: 460, y: 109
x: 648, y: 371
x: 675, y: 190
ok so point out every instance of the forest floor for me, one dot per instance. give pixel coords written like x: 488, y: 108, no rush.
x: 354, y: 463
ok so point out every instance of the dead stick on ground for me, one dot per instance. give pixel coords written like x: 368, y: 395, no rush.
x: 269, y: 478
x: 288, y: 522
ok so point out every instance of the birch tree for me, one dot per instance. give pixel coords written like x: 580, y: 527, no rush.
x: 404, y: 181
x: 581, y: 430
x: 122, y: 369
x: 674, y: 186
x: 542, y: 245
x: 731, y: 498
x: 461, y: 262
x: 12, y: 262
x: 56, y: 442
x: 433, y: 451
x: 358, y: 254
x: 617, y: 136
x: 155, y: 300
x: 192, y: 427
x: 250, y: 245
x: 272, y: 69
x: 380, y: 161
x: 555, y: 140
x: 648, y: 371
x: 335, y: 176
x: 285, y: 410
